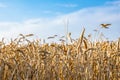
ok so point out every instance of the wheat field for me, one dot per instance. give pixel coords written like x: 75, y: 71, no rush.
x: 83, y: 59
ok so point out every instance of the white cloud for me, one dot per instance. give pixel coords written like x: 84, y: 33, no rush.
x: 2, y: 5
x: 67, y: 5
x: 115, y: 3
x: 90, y: 18
x: 51, y: 12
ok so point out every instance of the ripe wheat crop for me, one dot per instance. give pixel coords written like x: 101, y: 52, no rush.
x: 23, y: 59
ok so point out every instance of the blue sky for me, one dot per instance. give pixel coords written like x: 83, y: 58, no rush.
x: 48, y: 17
x: 18, y: 10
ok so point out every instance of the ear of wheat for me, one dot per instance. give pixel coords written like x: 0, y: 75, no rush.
x: 105, y: 25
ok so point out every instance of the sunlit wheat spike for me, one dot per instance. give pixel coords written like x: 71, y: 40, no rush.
x: 95, y: 30
x: 21, y: 34
x: 29, y: 35
x: 43, y: 41
x: 62, y: 37
x: 69, y: 37
x: 50, y: 37
x: 55, y: 35
x: 80, y: 38
x: 62, y: 40
x: 89, y: 35
x: 105, y: 25
x: 2, y: 39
